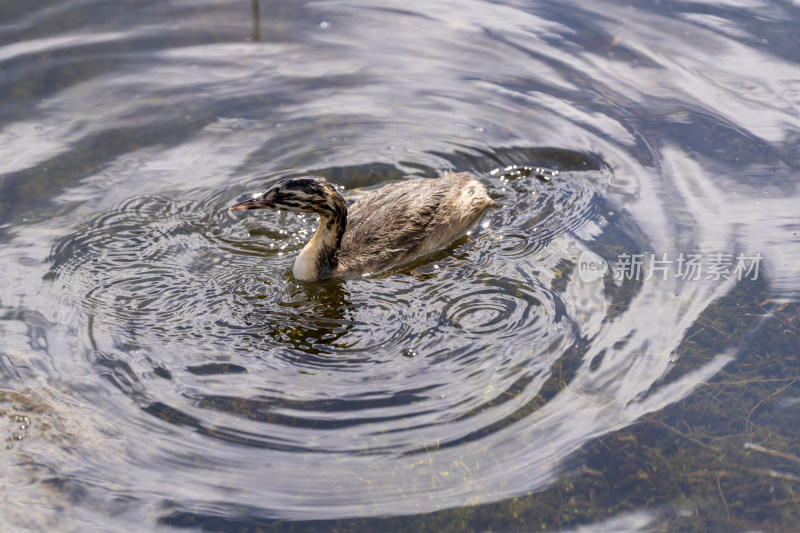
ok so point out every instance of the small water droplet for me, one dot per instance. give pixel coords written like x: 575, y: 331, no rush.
x: 323, y: 25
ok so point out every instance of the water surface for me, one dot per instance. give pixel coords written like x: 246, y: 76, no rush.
x: 162, y: 366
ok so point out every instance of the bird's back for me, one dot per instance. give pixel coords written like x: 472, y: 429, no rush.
x: 401, y: 221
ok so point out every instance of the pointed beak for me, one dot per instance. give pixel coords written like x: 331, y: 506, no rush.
x: 254, y: 203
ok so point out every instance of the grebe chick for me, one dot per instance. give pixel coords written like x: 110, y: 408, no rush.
x: 387, y: 227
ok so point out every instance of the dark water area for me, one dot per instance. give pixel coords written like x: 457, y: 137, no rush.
x: 613, y: 347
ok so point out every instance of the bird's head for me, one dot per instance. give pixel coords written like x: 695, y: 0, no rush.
x: 306, y: 194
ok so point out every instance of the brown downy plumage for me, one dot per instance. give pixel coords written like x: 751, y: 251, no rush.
x: 385, y: 228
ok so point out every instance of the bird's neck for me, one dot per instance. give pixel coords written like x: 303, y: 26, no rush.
x: 319, y: 257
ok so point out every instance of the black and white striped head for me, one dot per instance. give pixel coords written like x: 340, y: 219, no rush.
x: 306, y: 194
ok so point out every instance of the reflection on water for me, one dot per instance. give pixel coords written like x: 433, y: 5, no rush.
x: 165, y: 343
x: 393, y: 358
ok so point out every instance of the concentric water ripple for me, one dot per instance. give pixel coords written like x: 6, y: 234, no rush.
x: 214, y: 390
x: 492, y: 309
x: 206, y: 295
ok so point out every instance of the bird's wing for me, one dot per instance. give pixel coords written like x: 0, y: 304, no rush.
x: 391, y: 223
